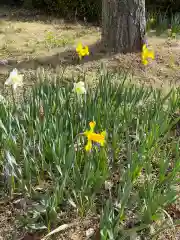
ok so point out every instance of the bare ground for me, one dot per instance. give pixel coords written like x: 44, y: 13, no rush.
x: 29, y: 41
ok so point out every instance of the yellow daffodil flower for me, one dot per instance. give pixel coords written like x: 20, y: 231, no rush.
x: 15, y: 79
x: 146, y: 54
x: 94, y: 137
x: 79, y: 88
x: 82, y: 51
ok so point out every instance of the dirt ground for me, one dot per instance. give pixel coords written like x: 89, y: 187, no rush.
x: 30, y: 41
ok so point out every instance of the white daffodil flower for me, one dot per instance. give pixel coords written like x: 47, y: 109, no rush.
x: 79, y: 88
x: 15, y: 79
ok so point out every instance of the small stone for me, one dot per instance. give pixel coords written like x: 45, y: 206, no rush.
x: 90, y: 232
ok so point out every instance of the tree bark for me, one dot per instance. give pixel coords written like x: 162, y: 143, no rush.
x: 123, y: 25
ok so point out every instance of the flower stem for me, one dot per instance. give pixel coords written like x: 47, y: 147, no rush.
x: 14, y: 101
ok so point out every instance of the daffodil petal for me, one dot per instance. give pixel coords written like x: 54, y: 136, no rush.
x: 8, y: 81
x: 92, y: 125
x: 79, y: 47
x: 81, y: 84
x: 151, y: 54
x: 96, y: 137
x: 79, y: 88
x: 88, y: 146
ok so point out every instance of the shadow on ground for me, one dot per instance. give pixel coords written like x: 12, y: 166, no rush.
x: 27, y: 15
x: 65, y: 58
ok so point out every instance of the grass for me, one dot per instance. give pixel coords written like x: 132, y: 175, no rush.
x: 127, y: 189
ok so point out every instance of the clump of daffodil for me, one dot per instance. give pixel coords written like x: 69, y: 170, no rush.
x: 15, y: 79
x: 94, y: 137
x: 82, y: 50
x: 146, y: 54
x: 79, y: 88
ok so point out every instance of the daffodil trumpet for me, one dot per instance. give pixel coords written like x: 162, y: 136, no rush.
x: 146, y: 54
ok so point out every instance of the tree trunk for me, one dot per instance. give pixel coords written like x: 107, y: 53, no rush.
x: 123, y: 25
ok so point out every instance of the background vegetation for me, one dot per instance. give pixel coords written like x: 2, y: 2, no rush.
x: 90, y: 9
